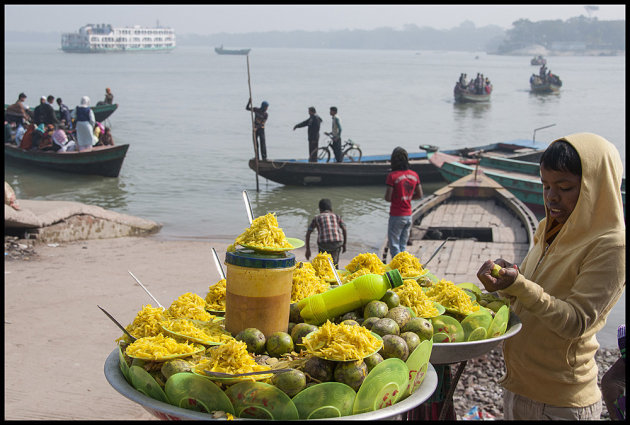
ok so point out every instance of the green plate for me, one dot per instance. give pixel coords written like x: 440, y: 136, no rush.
x: 383, y: 386
x: 192, y: 392
x: 449, y: 326
x: 235, y: 380
x: 325, y: 400
x: 499, y: 323
x: 295, y: 244
x: 347, y: 360
x: 418, y: 364
x: 197, y: 323
x: 124, y: 366
x: 142, y: 381
x: 198, y: 349
x: 257, y: 400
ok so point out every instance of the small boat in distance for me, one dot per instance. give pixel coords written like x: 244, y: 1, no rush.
x: 476, y: 90
x: 101, y: 160
x: 546, y: 85
x: 538, y: 60
x: 222, y: 51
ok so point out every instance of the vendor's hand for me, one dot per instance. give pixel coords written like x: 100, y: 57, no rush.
x: 507, y: 275
x: 307, y: 254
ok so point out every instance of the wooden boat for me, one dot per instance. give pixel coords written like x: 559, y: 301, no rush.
x: 373, y: 170
x: 538, y: 85
x: 101, y: 112
x: 222, y: 51
x: 521, y: 176
x: 101, y: 161
x: 464, y: 96
x: 538, y: 60
x: 470, y: 220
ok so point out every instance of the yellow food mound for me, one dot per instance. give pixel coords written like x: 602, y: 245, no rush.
x: 264, y: 232
x: 146, y: 323
x: 231, y: 357
x: 341, y: 342
x: 407, y: 264
x: 210, y: 332
x: 189, y: 306
x: 306, y: 283
x: 158, y: 347
x: 366, y: 261
x: 350, y: 277
x: 411, y: 295
x: 451, y: 296
x: 322, y: 267
x: 215, y: 298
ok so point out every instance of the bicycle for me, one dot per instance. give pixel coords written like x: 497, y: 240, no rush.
x: 350, y: 150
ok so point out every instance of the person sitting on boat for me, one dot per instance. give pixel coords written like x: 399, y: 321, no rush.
x: 44, y: 113
x: 61, y: 142
x: 27, y: 140
x: 84, y: 124
x: 64, y: 113
x: 19, y: 134
x: 37, y: 136
x: 313, y: 122
x: 46, y: 141
x: 106, y: 139
x: 109, y: 98
x: 18, y: 112
x: 260, y: 118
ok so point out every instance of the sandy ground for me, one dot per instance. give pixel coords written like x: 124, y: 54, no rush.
x: 55, y: 332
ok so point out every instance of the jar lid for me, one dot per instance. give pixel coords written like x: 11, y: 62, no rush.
x: 257, y: 260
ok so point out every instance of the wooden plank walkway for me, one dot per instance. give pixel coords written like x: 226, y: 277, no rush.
x: 459, y: 260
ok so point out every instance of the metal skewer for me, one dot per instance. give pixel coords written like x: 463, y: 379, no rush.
x: 146, y: 290
x: 218, y: 264
x: 334, y: 269
x: 133, y: 338
x: 248, y: 207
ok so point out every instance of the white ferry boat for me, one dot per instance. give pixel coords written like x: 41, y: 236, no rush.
x: 102, y: 38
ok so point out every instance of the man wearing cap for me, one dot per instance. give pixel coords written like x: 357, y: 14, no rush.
x: 44, y: 113
x: 260, y: 118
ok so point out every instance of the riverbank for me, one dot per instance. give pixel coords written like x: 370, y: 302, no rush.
x: 57, y: 340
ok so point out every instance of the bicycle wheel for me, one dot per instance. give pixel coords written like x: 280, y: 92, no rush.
x: 354, y: 154
x: 323, y: 154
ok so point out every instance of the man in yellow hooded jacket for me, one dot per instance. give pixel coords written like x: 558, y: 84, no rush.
x: 566, y: 285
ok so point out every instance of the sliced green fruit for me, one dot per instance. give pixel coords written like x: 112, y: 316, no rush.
x: 499, y: 323
x: 481, y: 318
x: 477, y: 334
x: 449, y: 326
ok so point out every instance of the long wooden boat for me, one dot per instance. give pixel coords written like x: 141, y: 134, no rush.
x: 373, y: 169
x: 222, y: 51
x: 468, y: 221
x: 101, y: 112
x: 519, y: 176
x: 464, y: 96
x: 101, y: 161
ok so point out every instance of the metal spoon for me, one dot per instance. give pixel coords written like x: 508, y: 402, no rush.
x: 217, y: 262
x: 133, y: 338
x: 248, y: 207
x: 230, y: 375
x: 146, y: 290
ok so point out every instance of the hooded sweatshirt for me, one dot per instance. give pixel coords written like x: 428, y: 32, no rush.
x: 564, y: 295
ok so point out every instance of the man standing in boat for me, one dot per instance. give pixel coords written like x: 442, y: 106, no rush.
x: 336, y: 134
x: 313, y: 122
x: 260, y: 118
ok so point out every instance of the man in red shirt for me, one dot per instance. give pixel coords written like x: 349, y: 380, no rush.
x: 403, y: 185
x: 331, y: 232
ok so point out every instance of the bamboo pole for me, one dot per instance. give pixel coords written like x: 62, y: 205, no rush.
x: 253, y: 124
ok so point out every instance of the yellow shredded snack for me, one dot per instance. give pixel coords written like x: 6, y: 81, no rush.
x: 208, y: 332
x: 189, y: 306
x: 322, y: 266
x: 231, y: 357
x: 451, y: 296
x: 411, y: 295
x: 146, y: 323
x: 351, y: 276
x: 407, y: 264
x: 158, y: 347
x: 215, y: 298
x: 341, y: 342
x: 368, y: 261
x: 306, y: 283
x: 264, y: 233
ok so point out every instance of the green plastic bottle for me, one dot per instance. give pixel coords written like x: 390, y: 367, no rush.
x: 318, y: 308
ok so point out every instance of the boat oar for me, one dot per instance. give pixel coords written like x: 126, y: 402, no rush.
x: 248, y: 207
x: 146, y: 290
x: 218, y: 264
x: 133, y: 338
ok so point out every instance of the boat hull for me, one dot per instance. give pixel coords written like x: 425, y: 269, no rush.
x: 544, y: 88
x: 462, y: 97
x: 231, y: 52
x: 105, y: 161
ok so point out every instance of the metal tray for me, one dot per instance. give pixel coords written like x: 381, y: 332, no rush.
x: 455, y: 352
x: 167, y: 411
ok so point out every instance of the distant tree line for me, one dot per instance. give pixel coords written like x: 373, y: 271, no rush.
x: 590, y: 32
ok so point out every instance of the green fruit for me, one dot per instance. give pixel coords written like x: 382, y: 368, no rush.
x: 279, y: 343
x: 300, y: 330
x: 394, y: 346
x: 495, y: 305
x: 253, y: 338
x: 391, y: 299
x: 420, y: 326
x: 351, y: 373
x: 495, y: 270
x: 385, y: 326
x: 352, y: 315
x: 477, y: 335
x: 369, y: 322
x: 294, y: 314
x: 373, y: 360
x: 290, y: 382
x: 171, y: 367
x: 350, y: 322
x: 375, y: 309
x: 412, y: 339
x: 401, y: 315
x: 319, y: 369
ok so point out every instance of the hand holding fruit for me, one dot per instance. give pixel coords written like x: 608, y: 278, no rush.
x: 497, y: 275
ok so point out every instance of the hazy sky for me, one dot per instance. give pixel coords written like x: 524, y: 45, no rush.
x: 211, y: 19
